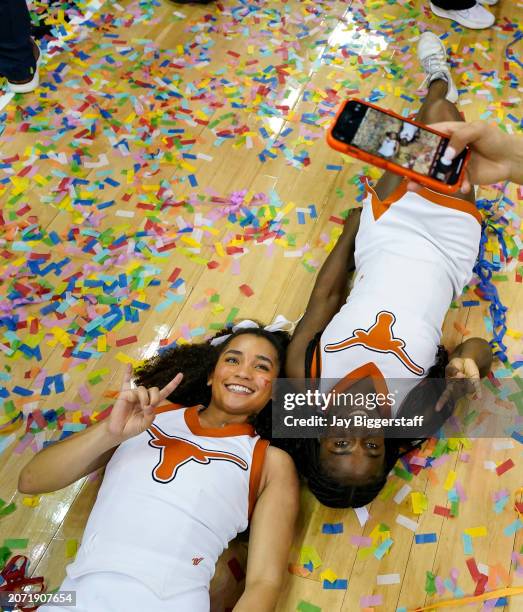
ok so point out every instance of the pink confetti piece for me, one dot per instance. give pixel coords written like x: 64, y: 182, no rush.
x: 85, y: 394
x: 368, y: 601
x: 360, y: 540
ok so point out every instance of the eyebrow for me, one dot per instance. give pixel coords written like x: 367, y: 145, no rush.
x: 346, y: 452
x: 262, y: 357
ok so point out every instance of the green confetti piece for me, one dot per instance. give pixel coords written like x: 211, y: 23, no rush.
x: 403, y: 473
x: 5, y: 553
x: 430, y: 584
x: 16, y: 542
x: 232, y: 315
x: 305, y: 606
x: 454, y: 508
x: 7, y: 509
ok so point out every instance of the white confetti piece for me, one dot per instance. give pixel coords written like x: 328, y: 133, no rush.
x: 362, y: 514
x: 406, y: 522
x: 388, y: 579
x: 489, y: 465
x: 503, y: 444
x: 125, y: 213
x: 402, y: 493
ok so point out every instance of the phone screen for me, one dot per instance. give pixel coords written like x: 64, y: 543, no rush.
x: 397, y: 141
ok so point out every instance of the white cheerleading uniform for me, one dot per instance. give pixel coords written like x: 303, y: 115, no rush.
x: 171, y: 500
x: 414, y: 254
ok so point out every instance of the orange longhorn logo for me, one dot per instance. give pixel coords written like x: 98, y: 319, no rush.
x: 380, y: 338
x: 175, y: 452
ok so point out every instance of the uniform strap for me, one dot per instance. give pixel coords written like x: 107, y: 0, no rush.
x: 258, y: 459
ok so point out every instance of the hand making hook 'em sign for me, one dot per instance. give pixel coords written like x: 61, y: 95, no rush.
x: 133, y: 412
x: 463, y: 378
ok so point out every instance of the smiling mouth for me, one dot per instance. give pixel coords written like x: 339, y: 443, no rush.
x: 239, y: 389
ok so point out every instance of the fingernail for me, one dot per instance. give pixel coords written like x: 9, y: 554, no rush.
x: 449, y: 155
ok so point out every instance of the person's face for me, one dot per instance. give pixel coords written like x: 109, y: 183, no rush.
x: 353, y: 460
x: 242, y: 379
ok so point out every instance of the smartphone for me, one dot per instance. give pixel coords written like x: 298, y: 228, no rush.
x: 391, y: 142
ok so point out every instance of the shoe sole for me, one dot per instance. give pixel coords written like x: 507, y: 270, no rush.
x: 464, y: 22
x: 32, y: 84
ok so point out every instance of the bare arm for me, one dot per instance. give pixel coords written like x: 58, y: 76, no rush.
x: 272, y: 531
x: 63, y: 463
x: 478, y: 350
x: 327, y: 297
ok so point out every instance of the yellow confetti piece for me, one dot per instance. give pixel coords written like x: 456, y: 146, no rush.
x: 32, y: 501
x: 123, y: 358
x: 450, y: 480
x: 191, y: 242
x: 218, y: 247
x: 71, y: 546
x: 101, y: 344
x: 476, y: 532
x: 419, y: 502
x: 308, y: 554
x: 329, y: 575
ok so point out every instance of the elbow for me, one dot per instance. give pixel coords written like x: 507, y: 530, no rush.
x: 26, y: 484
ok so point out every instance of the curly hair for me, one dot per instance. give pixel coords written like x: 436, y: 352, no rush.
x: 197, y: 362
x: 327, y: 490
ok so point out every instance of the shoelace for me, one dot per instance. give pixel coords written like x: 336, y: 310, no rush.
x: 432, y: 64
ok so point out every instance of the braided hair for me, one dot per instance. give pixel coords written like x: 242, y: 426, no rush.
x: 197, y: 362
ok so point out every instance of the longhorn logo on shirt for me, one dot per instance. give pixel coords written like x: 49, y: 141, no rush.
x: 380, y: 338
x: 175, y: 452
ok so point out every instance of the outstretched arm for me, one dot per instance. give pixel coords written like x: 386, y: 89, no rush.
x: 272, y: 530
x: 60, y: 464
x: 327, y: 297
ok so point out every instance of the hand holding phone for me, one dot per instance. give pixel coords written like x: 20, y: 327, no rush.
x: 391, y: 142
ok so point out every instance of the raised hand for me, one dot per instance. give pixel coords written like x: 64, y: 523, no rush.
x: 133, y: 411
x: 462, y: 375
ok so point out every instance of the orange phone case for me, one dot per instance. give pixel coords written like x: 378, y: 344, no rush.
x: 391, y: 166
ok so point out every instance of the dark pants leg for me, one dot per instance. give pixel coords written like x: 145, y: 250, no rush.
x: 435, y: 108
x: 17, y: 61
x: 454, y: 5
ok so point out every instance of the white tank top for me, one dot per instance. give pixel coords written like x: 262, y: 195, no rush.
x: 171, y: 500
x: 414, y: 254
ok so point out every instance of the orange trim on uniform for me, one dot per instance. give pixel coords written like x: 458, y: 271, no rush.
x: 258, y: 459
x: 368, y: 370
x: 450, y: 202
x: 234, y: 429
x: 316, y: 361
x: 381, y: 206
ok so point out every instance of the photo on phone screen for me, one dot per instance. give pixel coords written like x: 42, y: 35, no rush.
x: 397, y: 141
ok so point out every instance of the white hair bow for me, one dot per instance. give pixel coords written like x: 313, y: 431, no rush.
x: 280, y: 323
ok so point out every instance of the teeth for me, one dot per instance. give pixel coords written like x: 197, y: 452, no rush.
x: 239, y: 388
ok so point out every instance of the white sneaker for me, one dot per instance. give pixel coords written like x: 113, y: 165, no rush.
x: 33, y: 83
x: 433, y: 57
x: 475, y: 18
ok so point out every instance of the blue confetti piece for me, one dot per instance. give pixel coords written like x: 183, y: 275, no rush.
x: 333, y: 167
x: 426, y: 538
x: 332, y: 528
x: 336, y: 584
x: 517, y: 436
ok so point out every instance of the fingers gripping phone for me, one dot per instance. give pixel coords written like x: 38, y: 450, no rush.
x: 391, y: 142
